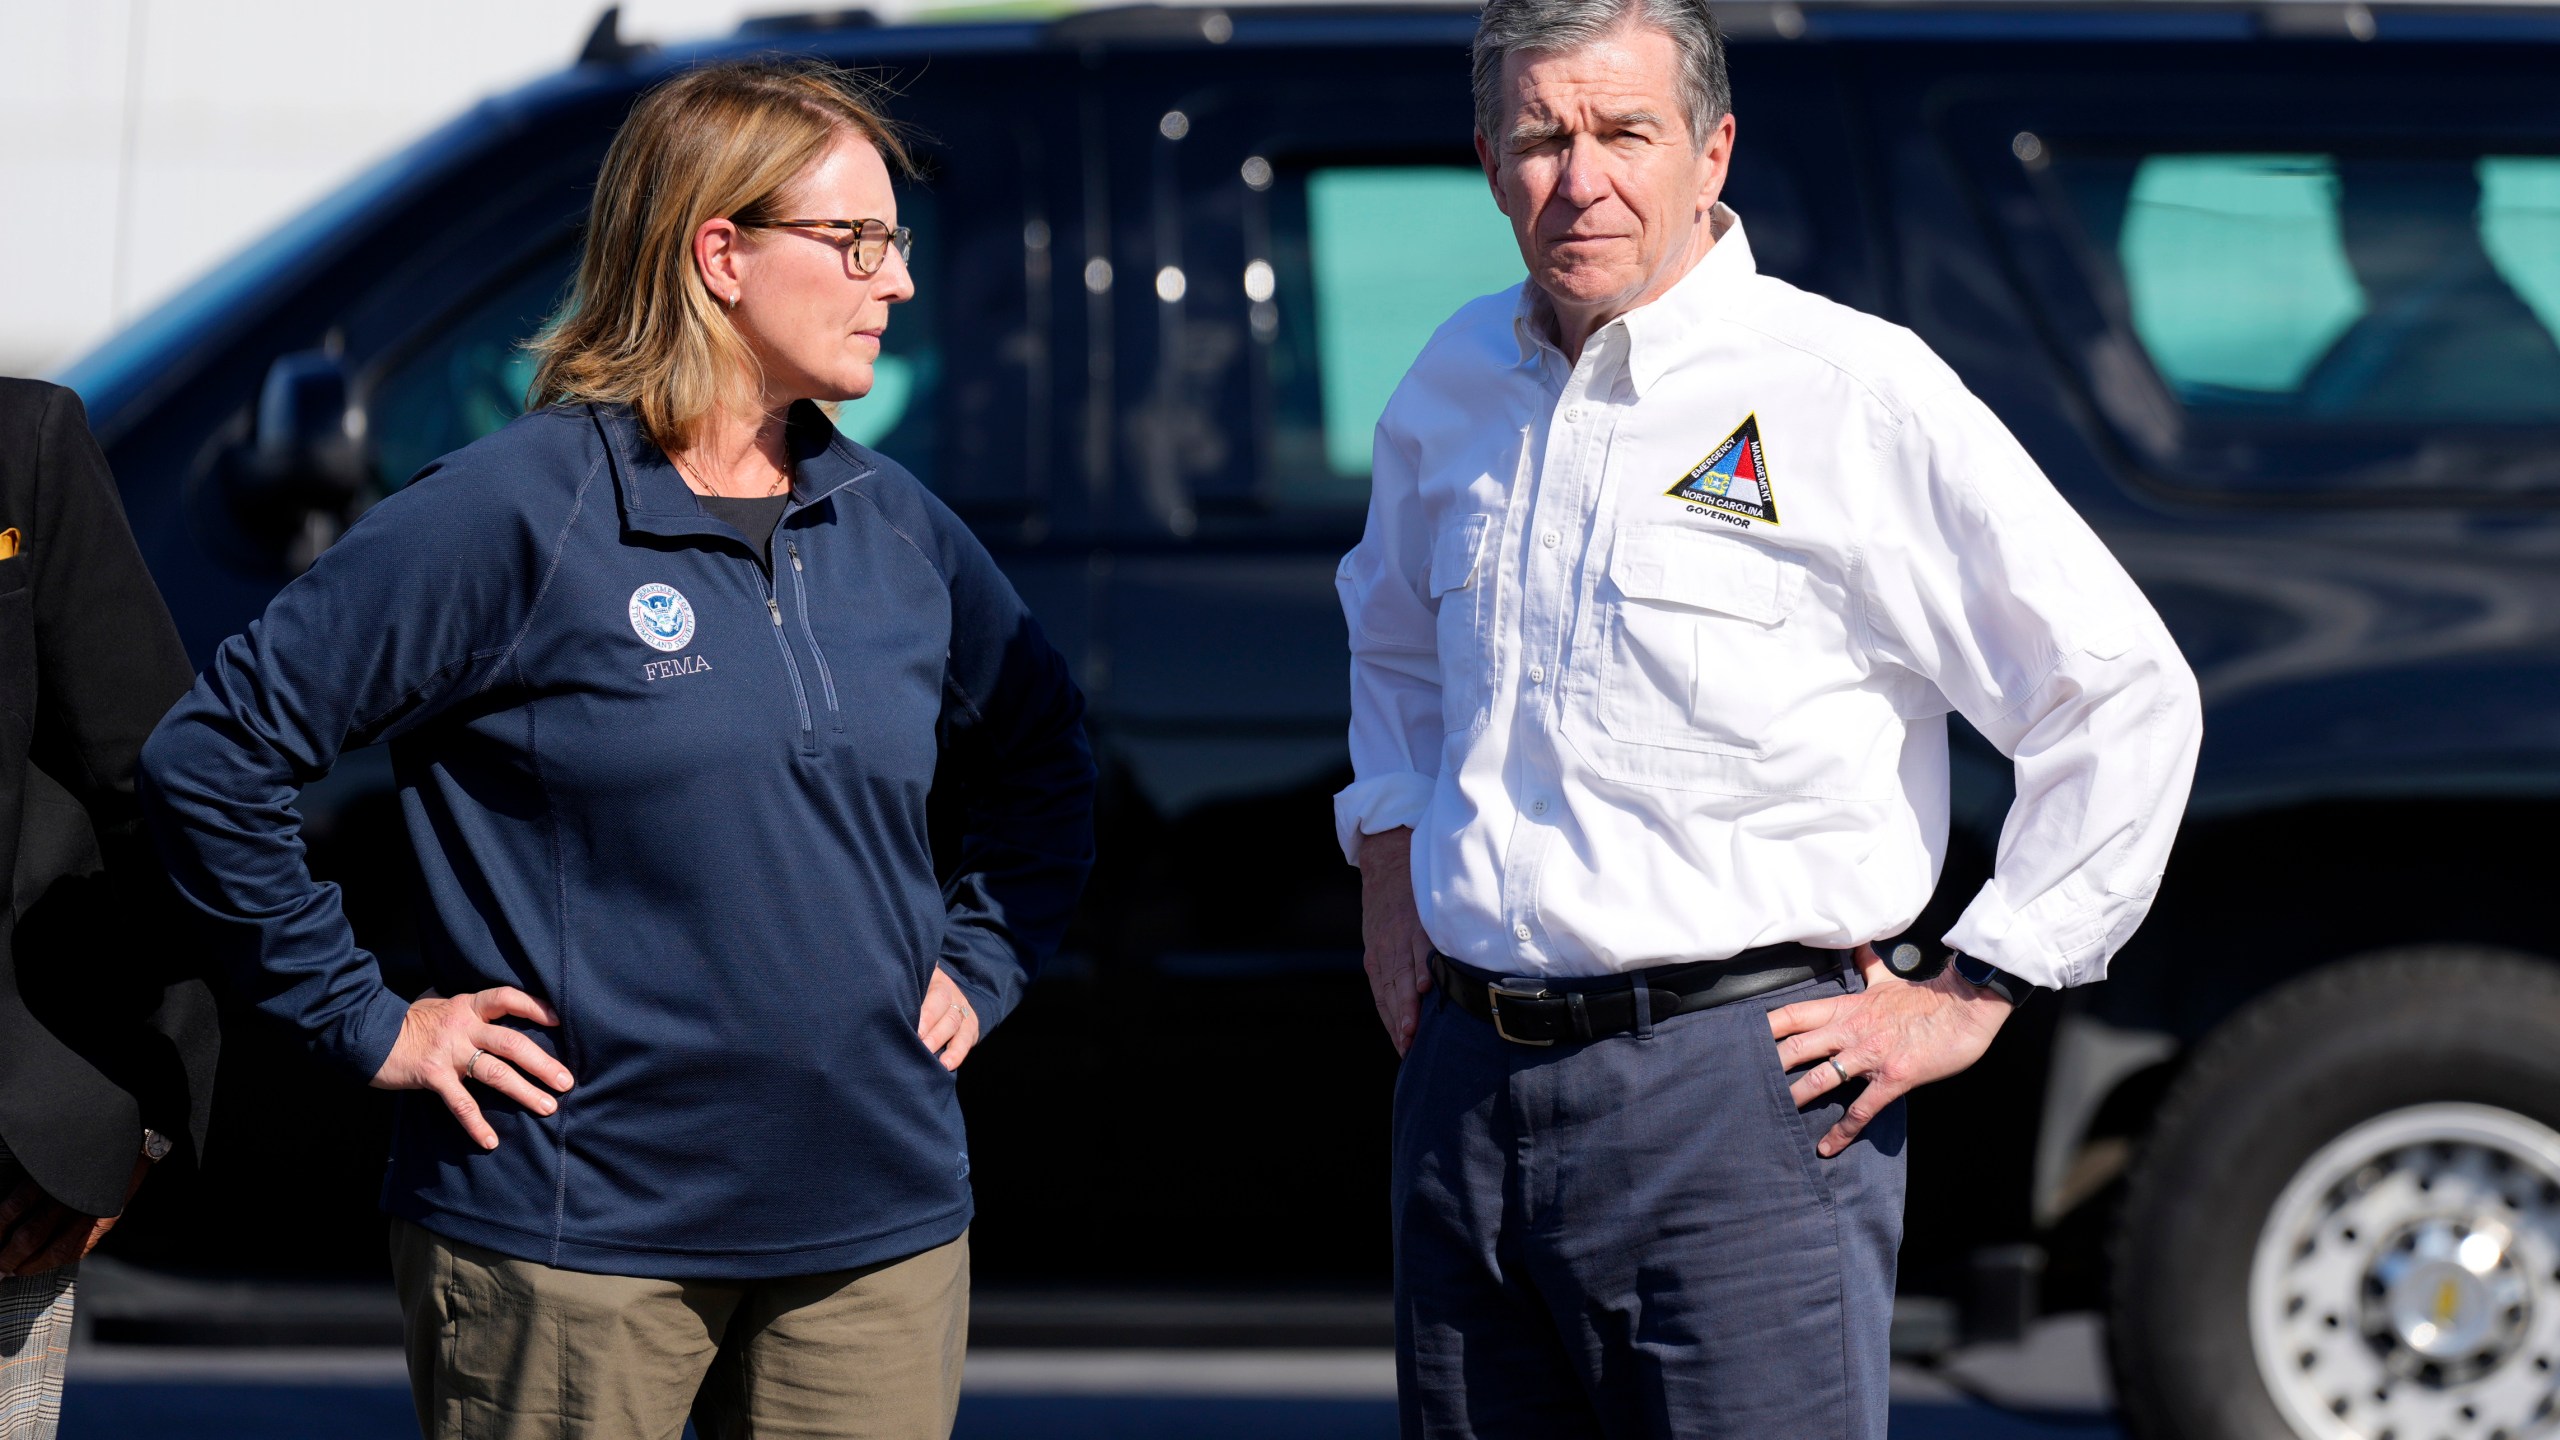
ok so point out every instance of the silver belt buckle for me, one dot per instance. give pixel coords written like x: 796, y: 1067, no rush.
x: 1494, y: 991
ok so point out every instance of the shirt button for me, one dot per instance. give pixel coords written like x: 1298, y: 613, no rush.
x: 1537, y: 674
x: 1552, y: 539
x: 1539, y: 808
x: 1573, y: 415
x: 1520, y: 931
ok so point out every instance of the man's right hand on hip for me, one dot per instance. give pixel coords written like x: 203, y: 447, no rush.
x: 1395, y: 951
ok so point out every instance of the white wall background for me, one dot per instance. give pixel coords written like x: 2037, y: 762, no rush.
x: 142, y: 141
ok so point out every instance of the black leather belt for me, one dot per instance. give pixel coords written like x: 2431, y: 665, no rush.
x: 1546, y: 1012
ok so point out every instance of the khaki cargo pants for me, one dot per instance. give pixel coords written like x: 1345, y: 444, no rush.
x: 506, y: 1349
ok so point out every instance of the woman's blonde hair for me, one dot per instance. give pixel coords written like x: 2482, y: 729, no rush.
x: 641, y: 328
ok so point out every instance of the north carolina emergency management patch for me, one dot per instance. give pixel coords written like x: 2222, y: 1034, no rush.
x: 1734, y: 478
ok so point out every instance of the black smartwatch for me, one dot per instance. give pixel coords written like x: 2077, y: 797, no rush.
x: 1982, y: 974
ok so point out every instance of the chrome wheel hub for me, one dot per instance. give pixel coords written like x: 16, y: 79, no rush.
x: 2407, y: 1283
x: 2446, y: 1299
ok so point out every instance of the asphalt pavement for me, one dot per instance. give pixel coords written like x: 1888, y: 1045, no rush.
x: 2050, y: 1388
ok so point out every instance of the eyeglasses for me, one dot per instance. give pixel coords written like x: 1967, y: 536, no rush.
x: 866, y: 244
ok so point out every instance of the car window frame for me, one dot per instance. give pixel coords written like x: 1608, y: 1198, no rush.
x: 367, y: 378
x: 1333, y: 117
x: 2000, y: 137
x: 527, y: 230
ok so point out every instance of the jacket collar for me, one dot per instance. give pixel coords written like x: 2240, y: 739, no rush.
x: 656, y: 501
x: 1654, y: 331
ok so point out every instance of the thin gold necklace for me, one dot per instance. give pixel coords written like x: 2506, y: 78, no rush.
x: 781, y: 486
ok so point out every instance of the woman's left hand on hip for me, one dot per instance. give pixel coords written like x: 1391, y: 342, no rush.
x: 949, y: 1023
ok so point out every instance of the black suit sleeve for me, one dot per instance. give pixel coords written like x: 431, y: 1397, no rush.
x: 108, y: 660
x: 104, y: 959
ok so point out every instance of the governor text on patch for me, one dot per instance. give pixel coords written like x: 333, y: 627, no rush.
x: 1734, y: 478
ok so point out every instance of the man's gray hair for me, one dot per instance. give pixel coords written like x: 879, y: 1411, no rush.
x: 1550, y: 27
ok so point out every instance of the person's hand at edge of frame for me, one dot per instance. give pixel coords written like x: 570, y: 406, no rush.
x: 446, y: 1041
x: 39, y: 1233
x: 1895, y: 1035
x: 948, y: 1023
x: 1394, y: 949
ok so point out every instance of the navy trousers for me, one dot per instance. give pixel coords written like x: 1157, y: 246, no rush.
x: 1635, y: 1238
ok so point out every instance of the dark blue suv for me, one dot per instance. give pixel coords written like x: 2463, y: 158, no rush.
x: 2273, y: 294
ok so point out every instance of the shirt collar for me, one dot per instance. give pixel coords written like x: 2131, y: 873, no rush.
x: 656, y: 500
x: 1654, y: 330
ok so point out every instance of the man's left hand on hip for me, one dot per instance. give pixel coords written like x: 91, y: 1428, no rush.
x: 1895, y: 1035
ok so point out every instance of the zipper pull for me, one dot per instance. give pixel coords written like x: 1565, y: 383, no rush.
x: 774, y: 608
x: 794, y: 547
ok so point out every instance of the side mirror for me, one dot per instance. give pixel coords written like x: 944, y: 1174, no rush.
x: 306, y: 465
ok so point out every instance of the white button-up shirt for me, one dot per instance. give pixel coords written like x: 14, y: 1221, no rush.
x: 1654, y: 651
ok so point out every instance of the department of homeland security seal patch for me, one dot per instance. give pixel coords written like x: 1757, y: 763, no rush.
x: 1734, y: 478
x: 662, y: 618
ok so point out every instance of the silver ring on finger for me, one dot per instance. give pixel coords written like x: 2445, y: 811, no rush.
x: 472, y: 1070
x: 1838, y: 1069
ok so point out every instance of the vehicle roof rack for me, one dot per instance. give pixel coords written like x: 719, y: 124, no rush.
x: 811, y: 21
x: 605, y: 45
x: 1175, y: 23
x: 1181, y: 22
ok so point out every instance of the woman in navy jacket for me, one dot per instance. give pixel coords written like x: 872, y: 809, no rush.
x: 670, y: 671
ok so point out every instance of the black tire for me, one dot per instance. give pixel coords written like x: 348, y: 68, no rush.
x: 2280, y: 1080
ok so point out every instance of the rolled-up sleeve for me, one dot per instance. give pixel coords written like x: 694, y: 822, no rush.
x: 1983, y: 583
x: 1396, y: 724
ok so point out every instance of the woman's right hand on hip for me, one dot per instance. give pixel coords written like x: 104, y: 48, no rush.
x: 446, y: 1041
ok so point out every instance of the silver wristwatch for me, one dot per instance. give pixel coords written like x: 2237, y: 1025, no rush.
x: 156, y: 1146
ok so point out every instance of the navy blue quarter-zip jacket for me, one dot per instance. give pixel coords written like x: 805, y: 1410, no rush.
x: 680, y: 798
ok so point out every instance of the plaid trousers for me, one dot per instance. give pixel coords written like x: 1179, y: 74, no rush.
x: 35, y: 1340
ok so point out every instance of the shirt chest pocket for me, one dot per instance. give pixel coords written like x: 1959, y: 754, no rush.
x: 1698, y: 643
x: 1461, y: 578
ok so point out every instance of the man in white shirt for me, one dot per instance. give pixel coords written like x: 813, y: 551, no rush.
x: 1672, y: 575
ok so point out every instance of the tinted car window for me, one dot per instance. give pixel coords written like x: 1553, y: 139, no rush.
x: 1366, y: 262
x: 2321, y: 287
x: 2520, y: 228
x: 2305, y: 315
x: 1282, y: 250
x: 466, y: 378
x: 466, y: 375
x: 897, y: 417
